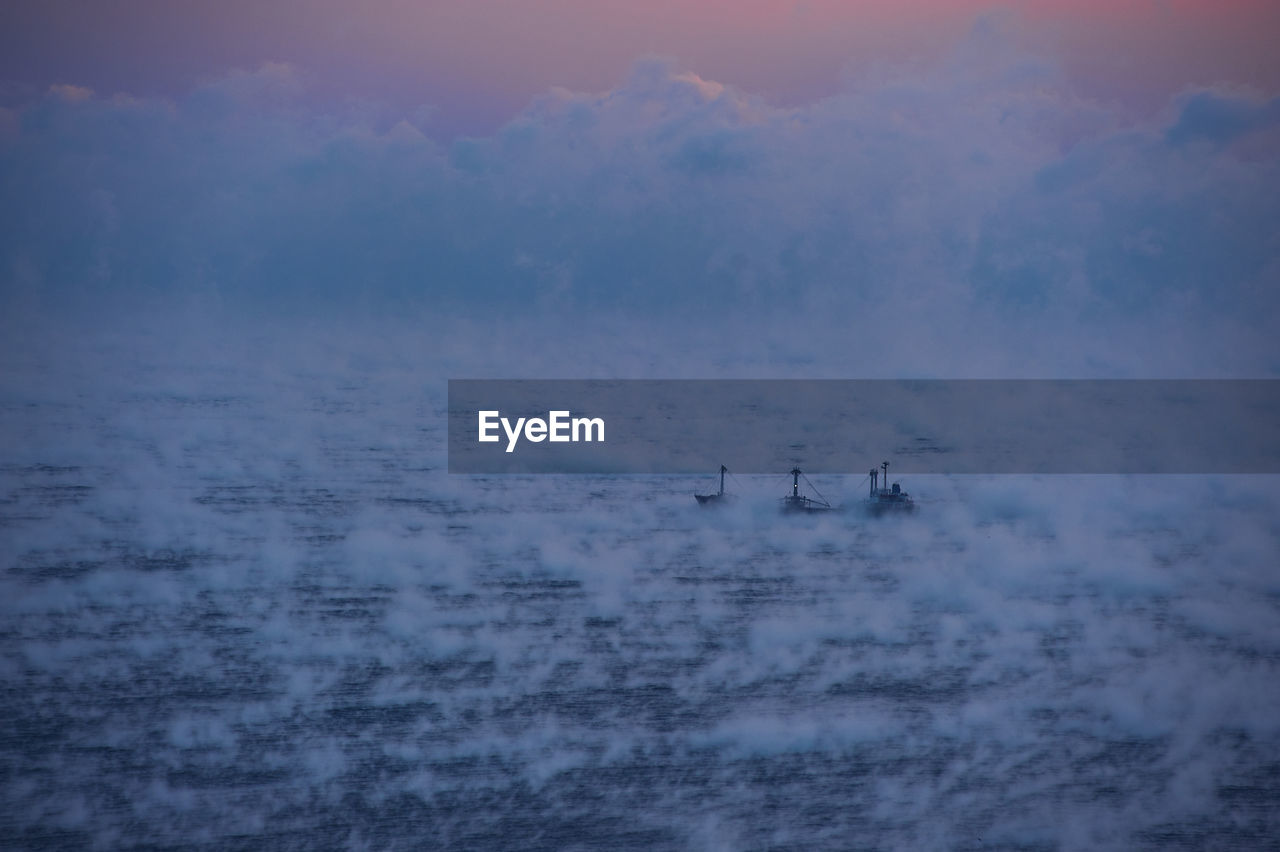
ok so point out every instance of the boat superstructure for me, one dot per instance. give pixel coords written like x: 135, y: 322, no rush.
x: 887, y: 499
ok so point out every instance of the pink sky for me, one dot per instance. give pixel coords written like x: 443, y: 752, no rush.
x: 479, y: 61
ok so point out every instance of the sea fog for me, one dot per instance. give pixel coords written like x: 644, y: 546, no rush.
x: 243, y: 605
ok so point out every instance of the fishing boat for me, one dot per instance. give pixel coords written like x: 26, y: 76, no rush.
x: 886, y: 499
x: 797, y: 502
x: 719, y: 497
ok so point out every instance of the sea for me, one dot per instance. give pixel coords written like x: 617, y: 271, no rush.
x: 244, y: 606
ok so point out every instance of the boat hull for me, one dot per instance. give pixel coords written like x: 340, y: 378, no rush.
x: 889, y: 507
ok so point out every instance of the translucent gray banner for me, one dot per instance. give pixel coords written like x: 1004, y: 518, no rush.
x: 839, y: 426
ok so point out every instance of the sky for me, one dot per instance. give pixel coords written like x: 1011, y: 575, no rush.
x: 471, y: 66
x: 1080, y: 188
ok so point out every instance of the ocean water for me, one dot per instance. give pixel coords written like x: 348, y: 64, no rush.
x: 245, y: 607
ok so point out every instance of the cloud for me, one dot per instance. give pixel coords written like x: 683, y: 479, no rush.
x: 70, y: 93
x: 1221, y: 117
x: 982, y: 199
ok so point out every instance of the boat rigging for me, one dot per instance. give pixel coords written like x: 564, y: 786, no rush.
x: 797, y: 502
x: 719, y: 497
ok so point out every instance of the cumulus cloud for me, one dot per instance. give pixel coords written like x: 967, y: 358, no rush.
x: 1222, y: 117
x: 980, y: 199
x: 68, y: 92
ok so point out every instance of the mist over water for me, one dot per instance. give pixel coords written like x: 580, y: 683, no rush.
x: 243, y: 605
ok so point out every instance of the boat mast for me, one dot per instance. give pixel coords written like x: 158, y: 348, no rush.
x: 795, y: 483
x: 722, y: 472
